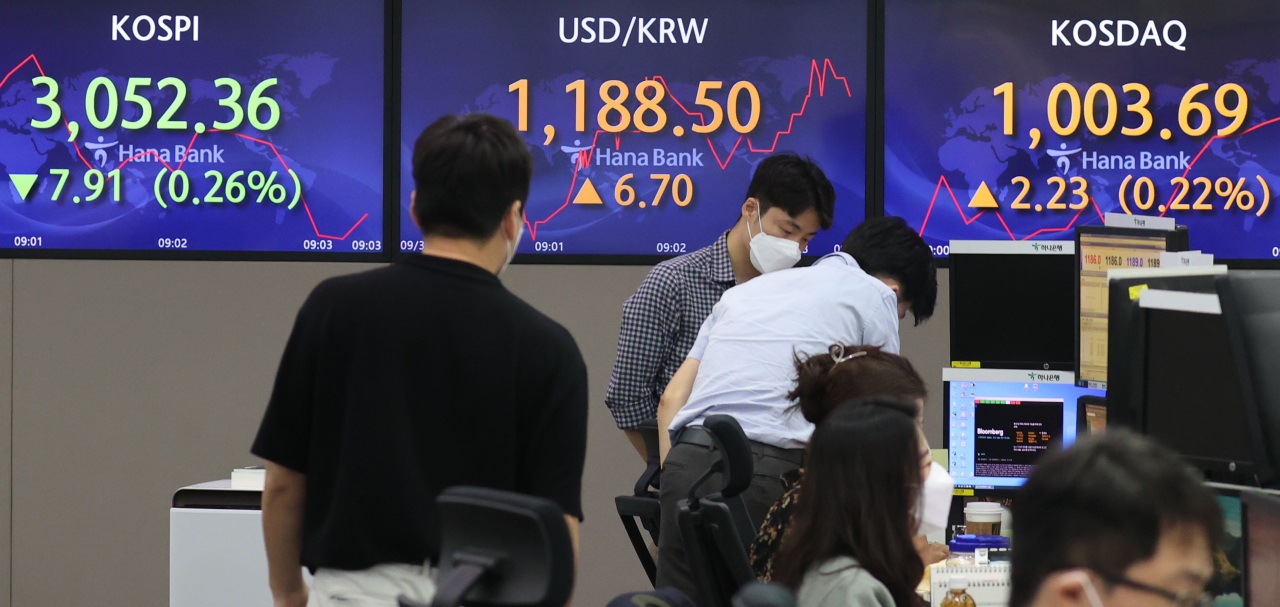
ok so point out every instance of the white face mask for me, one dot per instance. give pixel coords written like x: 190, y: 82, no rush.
x: 512, y: 246
x: 934, y: 506
x: 770, y: 253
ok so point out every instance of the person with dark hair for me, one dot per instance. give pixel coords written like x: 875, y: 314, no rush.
x: 743, y: 364
x: 1114, y: 521
x: 788, y: 201
x: 888, y: 247
x: 850, y: 544
x: 823, y: 383
x: 399, y: 382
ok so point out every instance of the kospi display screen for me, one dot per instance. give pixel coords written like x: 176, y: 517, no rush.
x: 1019, y: 120
x: 645, y: 119
x: 192, y: 128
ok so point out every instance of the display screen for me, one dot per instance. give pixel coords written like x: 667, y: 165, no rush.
x: 1019, y: 120
x: 1098, y: 253
x: 645, y: 119
x: 1027, y: 326
x: 997, y: 430
x: 1194, y: 403
x: 1229, y: 559
x: 192, y: 126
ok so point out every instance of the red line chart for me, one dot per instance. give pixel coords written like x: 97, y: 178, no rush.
x: 817, y: 73
x: 1169, y: 204
x: 32, y: 58
x: 942, y: 182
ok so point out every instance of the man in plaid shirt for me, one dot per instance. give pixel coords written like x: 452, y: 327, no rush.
x: 788, y: 200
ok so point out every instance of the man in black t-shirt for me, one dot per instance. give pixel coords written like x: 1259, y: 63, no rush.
x: 402, y: 381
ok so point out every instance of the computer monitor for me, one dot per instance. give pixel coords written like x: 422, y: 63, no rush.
x: 1192, y: 398
x: 1126, y: 331
x: 1247, y: 562
x: 1099, y: 249
x: 1001, y: 421
x: 1250, y: 304
x: 1011, y: 304
x: 1231, y: 574
x: 1262, y: 547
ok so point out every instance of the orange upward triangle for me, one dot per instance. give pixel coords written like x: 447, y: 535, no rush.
x: 983, y: 199
x: 588, y: 194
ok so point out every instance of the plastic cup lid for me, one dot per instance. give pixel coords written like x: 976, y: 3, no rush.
x: 983, y: 507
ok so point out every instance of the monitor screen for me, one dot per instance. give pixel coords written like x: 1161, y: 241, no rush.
x: 1262, y: 528
x: 228, y: 127
x: 1000, y: 422
x: 1015, y: 120
x: 1012, y: 304
x: 1193, y: 402
x: 1099, y: 252
x: 646, y: 121
x: 1228, y: 586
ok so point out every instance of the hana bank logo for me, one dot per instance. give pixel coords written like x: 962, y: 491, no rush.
x: 1064, y: 157
x: 1050, y: 377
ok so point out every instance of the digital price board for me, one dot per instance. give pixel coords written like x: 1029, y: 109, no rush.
x: 192, y: 128
x: 645, y: 119
x: 1020, y: 120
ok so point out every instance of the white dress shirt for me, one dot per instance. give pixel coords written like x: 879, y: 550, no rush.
x: 746, y: 349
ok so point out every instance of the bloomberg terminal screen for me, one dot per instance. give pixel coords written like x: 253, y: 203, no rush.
x: 645, y: 119
x: 231, y: 126
x: 1020, y: 120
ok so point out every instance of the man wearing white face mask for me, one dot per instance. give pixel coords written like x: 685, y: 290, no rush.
x: 743, y: 362
x: 788, y: 201
x: 402, y: 381
x: 1116, y: 521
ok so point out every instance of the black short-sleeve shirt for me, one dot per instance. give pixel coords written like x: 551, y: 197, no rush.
x: 402, y: 381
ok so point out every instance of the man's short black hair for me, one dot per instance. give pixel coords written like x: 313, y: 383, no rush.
x: 888, y: 247
x: 795, y: 185
x: 1103, y: 505
x: 467, y: 171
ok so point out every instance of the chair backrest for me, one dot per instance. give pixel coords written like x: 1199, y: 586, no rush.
x: 764, y: 594
x: 737, y: 466
x: 643, y: 505
x: 651, y: 479
x: 659, y: 597
x: 736, y: 463
x: 501, y: 549
x: 715, y: 529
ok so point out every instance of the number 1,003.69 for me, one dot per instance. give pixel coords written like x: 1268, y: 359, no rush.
x: 1087, y: 108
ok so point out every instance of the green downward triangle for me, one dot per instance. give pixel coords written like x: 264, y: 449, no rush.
x: 23, y: 183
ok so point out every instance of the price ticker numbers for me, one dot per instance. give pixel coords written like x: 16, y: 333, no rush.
x: 645, y: 124
x: 1165, y: 115
x: 194, y: 131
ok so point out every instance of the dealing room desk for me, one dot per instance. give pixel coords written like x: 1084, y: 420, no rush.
x: 216, y: 553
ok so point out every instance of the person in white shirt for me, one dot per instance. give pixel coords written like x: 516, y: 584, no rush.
x: 743, y: 363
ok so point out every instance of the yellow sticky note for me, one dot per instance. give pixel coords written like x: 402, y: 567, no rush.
x: 1136, y: 291
x: 966, y: 364
x: 940, y: 456
x: 963, y: 492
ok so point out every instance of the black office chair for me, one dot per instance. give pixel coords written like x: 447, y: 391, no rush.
x: 764, y: 594
x: 716, y: 529
x: 501, y: 549
x: 643, y: 504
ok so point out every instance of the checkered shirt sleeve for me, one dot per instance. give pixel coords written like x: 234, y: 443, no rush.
x: 650, y: 322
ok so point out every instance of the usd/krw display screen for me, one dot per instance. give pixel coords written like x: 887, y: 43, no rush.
x: 645, y: 119
x: 193, y: 126
x: 1019, y: 120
